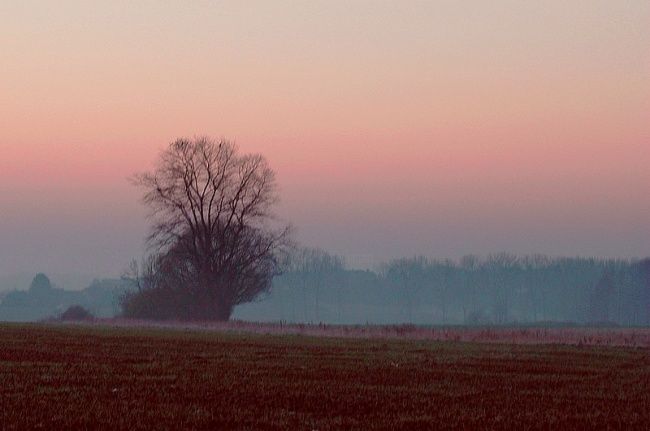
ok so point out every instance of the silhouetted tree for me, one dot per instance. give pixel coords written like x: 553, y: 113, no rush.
x: 40, y: 283
x: 643, y: 268
x: 215, y: 239
x: 407, y: 274
x: 468, y: 265
x: 601, y: 299
x: 313, y: 269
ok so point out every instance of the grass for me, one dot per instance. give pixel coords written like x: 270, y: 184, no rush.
x: 71, y: 377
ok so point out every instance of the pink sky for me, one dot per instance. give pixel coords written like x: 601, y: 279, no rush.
x: 396, y: 128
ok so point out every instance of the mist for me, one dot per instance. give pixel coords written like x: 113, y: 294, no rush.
x: 319, y: 287
x: 324, y: 214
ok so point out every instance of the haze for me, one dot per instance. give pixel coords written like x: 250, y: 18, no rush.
x: 395, y: 128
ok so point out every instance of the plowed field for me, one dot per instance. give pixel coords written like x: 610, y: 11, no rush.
x: 71, y: 377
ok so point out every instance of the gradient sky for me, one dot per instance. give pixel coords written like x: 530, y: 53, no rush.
x: 395, y: 128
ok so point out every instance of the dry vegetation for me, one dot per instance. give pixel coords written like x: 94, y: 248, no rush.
x: 63, y: 377
x: 578, y: 336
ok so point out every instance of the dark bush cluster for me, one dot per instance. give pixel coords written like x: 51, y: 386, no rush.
x: 160, y: 304
x: 76, y: 313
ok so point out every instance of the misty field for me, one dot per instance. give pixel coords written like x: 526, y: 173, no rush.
x: 62, y: 377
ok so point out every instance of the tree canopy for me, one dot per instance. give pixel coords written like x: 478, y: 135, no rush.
x: 215, y: 240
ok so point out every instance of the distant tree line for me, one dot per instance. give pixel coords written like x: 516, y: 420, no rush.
x: 43, y: 299
x: 316, y: 286
x: 497, y: 289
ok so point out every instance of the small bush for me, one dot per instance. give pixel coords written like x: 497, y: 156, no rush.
x: 76, y: 313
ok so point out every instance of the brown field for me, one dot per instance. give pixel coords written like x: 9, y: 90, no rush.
x: 88, y: 377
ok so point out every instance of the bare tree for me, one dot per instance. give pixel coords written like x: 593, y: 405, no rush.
x: 318, y: 269
x: 407, y: 274
x: 214, y: 236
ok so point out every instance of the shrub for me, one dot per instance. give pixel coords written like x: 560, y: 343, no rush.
x: 76, y: 313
